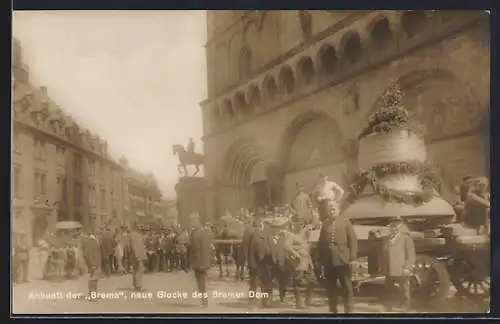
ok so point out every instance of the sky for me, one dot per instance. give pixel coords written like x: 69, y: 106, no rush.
x: 135, y: 78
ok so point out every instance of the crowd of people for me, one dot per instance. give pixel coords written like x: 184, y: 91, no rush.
x: 274, y: 247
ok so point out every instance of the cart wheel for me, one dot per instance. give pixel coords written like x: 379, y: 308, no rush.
x: 430, y: 281
x: 470, y: 277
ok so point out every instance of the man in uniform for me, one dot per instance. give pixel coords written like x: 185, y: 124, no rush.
x: 292, y: 257
x: 200, y: 255
x: 92, y: 255
x: 302, y: 205
x: 256, y: 245
x: 396, y: 260
x: 21, y: 257
x: 151, y: 250
x: 337, y: 251
x: 108, y: 244
x: 181, y: 248
x: 477, y: 206
x: 138, y: 256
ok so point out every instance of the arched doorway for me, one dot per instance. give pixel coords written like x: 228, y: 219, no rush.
x: 245, y: 177
x: 453, y: 118
x: 259, y: 183
x: 39, y: 229
x: 311, y: 144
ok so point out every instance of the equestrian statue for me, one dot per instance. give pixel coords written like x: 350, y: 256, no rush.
x: 187, y: 157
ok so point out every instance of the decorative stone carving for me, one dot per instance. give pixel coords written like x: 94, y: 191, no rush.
x: 305, y: 23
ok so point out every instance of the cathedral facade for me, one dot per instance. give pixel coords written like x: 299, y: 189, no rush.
x: 289, y: 92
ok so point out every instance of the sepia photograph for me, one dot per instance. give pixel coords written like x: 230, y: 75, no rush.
x: 250, y: 162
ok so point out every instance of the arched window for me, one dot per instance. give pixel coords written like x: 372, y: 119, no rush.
x: 287, y: 81
x: 228, y: 110
x: 271, y: 88
x: 241, y: 104
x: 381, y: 33
x: 412, y: 21
x: 328, y: 59
x: 352, y: 48
x: 306, y: 70
x: 245, y: 63
x: 254, y: 96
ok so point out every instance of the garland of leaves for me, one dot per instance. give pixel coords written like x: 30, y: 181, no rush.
x: 391, y: 116
x: 429, y: 180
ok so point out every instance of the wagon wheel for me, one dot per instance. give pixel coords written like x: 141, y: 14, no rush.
x: 430, y: 282
x: 470, y: 277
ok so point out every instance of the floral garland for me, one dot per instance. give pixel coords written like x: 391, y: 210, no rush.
x: 392, y: 115
x: 429, y: 181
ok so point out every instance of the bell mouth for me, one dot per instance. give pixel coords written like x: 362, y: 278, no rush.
x: 374, y: 210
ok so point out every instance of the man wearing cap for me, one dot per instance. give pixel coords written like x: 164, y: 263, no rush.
x: 337, y: 250
x: 302, y: 205
x: 396, y: 260
x: 279, y: 253
x: 91, y: 251
x: 21, y: 257
x: 200, y: 255
x: 477, y: 205
x: 138, y: 256
x: 256, y: 246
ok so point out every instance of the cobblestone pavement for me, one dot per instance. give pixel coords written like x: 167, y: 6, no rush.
x: 161, y: 296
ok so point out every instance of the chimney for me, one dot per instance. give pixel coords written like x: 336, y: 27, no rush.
x: 43, y: 90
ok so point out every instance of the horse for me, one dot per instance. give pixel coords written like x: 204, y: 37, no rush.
x: 224, y: 250
x: 187, y: 158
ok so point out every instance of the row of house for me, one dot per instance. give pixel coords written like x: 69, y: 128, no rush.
x: 61, y: 171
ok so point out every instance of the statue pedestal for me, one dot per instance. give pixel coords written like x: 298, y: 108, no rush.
x: 190, y: 198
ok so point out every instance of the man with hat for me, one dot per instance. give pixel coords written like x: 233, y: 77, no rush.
x: 396, y: 260
x: 200, y: 255
x: 293, y: 255
x: 337, y: 250
x: 21, y: 257
x: 137, y: 255
x: 279, y: 253
x: 477, y: 205
x: 302, y: 205
x: 92, y: 254
x: 256, y: 246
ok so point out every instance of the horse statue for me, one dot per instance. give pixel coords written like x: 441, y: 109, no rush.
x: 187, y: 158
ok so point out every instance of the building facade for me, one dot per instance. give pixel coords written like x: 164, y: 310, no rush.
x: 289, y: 92
x: 59, y: 170
x: 145, y: 201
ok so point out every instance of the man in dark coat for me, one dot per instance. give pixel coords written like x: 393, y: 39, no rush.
x: 21, y: 257
x: 138, y: 256
x: 396, y: 261
x: 200, y: 255
x: 108, y: 244
x: 337, y: 251
x: 91, y: 251
x: 151, y: 251
x: 256, y: 245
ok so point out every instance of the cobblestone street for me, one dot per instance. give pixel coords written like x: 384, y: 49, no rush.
x: 27, y: 298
